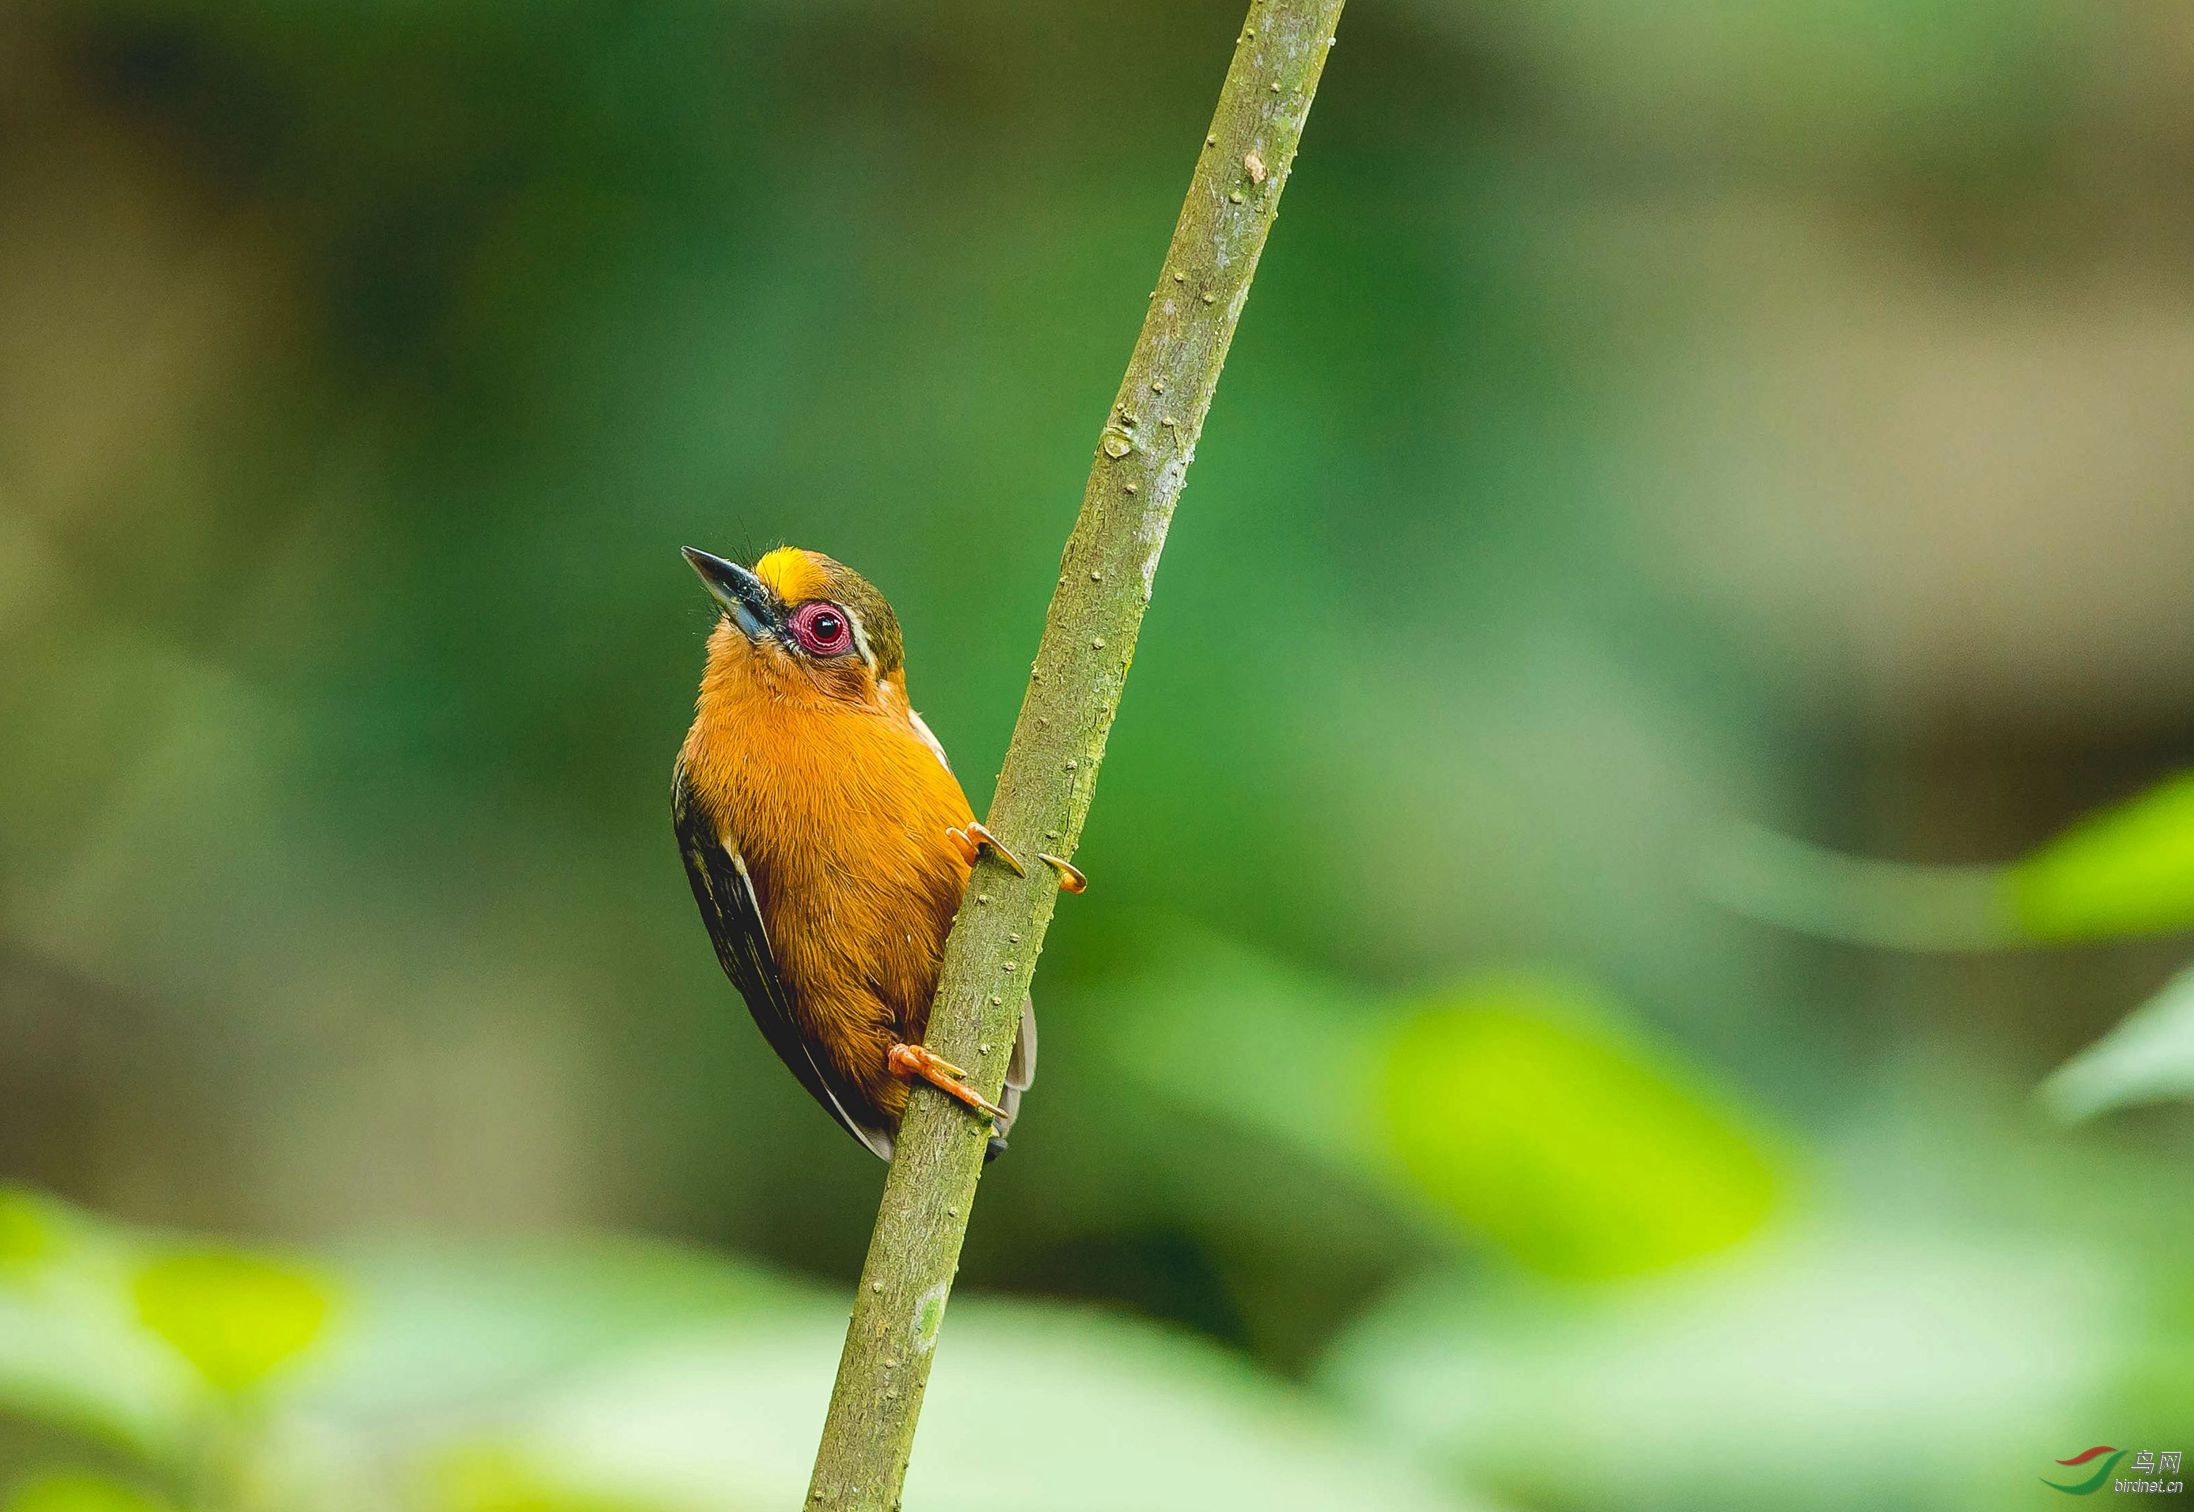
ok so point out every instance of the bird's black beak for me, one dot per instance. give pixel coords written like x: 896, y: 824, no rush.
x: 745, y: 597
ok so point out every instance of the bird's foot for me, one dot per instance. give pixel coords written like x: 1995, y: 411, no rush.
x: 1070, y: 876
x: 972, y: 840
x: 913, y: 1061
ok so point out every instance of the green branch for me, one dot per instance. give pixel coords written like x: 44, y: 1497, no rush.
x: 1050, y: 769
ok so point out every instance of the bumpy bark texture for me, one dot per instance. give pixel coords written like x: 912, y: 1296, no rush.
x: 1051, y: 766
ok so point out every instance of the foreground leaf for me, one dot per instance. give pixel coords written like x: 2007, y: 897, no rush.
x: 2128, y: 870
x: 238, y: 1318
x: 79, y: 1491
x: 1031, y: 1408
x: 1813, y: 1374
x: 2148, y: 1058
x: 72, y: 1354
x: 443, y: 1330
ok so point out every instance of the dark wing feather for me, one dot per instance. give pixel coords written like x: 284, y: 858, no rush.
x: 734, y: 919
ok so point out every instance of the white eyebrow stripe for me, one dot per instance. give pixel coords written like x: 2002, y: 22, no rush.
x: 860, y: 635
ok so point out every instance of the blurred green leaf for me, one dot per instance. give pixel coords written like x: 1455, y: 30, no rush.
x: 30, y: 1230
x: 1515, y: 1104
x: 238, y: 1318
x: 2149, y: 1057
x: 1890, y: 905
x: 1519, y: 1107
x: 1186, y: 1007
x: 1030, y: 1408
x: 495, y: 1478
x: 436, y: 1330
x: 80, y: 1491
x: 71, y: 1352
x: 2128, y: 870
x: 1865, y: 1367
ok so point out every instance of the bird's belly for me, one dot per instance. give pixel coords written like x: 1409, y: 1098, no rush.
x: 857, y: 911
x: 841, y: 823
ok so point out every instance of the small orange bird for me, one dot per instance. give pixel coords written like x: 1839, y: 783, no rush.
x: 827, y: 840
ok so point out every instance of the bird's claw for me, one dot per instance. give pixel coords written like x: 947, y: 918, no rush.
x: 915, y: 1061
x: 1070, y: 876
x: 972, y: 840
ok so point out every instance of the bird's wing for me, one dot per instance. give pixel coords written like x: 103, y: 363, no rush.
x: 734, y: 919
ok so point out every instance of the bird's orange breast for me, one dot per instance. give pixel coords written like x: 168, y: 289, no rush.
x: 838, y: 812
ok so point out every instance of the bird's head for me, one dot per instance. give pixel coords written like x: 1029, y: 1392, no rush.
x: 802, y: 620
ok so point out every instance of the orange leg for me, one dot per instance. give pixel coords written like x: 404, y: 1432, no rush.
x: 972, y: 840
x: 915, y: 1061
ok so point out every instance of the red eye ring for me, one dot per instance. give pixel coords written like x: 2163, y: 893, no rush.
x: 821, y: 628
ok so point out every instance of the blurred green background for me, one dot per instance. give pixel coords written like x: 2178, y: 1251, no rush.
x: 1598, y: 856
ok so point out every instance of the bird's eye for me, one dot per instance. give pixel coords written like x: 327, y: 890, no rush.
x: 822, y: 629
